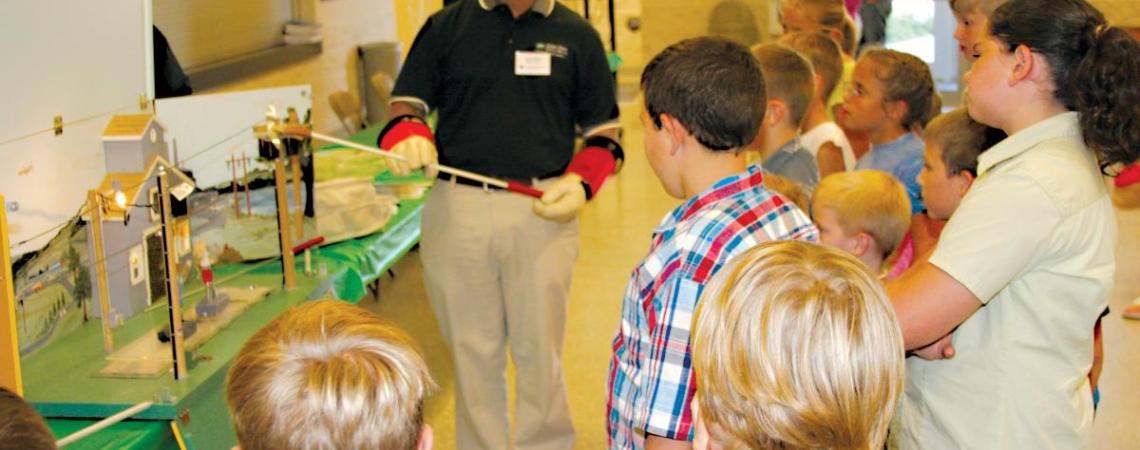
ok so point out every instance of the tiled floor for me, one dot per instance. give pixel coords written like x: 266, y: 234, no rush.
x: 615, y: 235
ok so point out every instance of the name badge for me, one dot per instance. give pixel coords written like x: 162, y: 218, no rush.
x: 535, y: 64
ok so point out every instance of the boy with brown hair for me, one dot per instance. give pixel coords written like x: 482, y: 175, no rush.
x: 953, y: 142
x: 703, y: 101
x: 820, y: 134
x: 329, y: 375
x: 863, y: 212
x: 790, y: 86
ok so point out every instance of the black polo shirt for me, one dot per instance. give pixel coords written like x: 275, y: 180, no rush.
x: 491, y: 121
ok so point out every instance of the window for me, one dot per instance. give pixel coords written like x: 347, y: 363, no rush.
x: 925, y: 28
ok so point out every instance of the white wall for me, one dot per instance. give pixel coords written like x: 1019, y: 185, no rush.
x: 76, y: 59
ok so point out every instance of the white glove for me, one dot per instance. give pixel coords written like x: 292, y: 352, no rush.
x: 562, y: 200
x: 419, y: 152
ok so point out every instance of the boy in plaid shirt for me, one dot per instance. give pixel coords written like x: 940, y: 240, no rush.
x: 704, y: 99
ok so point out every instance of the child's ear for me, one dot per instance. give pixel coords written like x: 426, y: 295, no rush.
x: 675, y: 130
x: 427, y: 438
x: 776, y: 113
x: 963, y: 181
x: 897, y: 110
x: 1024, y: 63
x: 863, y: 243
x: 819, y: 86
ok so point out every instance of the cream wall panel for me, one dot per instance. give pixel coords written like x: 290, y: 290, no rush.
x: 206, y: 31
x: 410, y: 16
x: 665, y: 22
x: 1124, y: 13
x: 346, y: 25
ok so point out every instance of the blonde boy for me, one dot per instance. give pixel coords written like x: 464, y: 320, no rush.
x: 820, y: 134
x: 329, y: 375
x: 795, y: 346
x: 972, y: 18
x: 790, y: 88
x: 863, y: 212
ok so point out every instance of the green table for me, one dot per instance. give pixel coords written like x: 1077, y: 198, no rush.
x: 60, y: 379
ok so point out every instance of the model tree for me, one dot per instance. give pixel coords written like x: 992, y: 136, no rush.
x: 81, y: 280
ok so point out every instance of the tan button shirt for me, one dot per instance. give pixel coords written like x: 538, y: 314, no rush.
x: 1033, y: 240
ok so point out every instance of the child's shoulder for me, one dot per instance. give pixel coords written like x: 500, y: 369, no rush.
x: 758, y: 212
x: 826, y: 128
x: 800, y: 151
x: 728, y: 226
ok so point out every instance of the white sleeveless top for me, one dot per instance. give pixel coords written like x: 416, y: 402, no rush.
x: 829, y: 131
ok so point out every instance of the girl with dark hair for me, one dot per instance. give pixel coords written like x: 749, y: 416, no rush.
x: 1032, y: 241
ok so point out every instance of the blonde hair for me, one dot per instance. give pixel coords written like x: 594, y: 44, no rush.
x: 905, y: 78
x: 986, y: 7
x: 328, y: 375
x: 825, y: 56
x: 791, y: 190
x: 788, y: 77
x: 796, y: 346
x: 866, y: 201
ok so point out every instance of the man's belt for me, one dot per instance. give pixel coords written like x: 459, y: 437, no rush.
x: 469, y: 182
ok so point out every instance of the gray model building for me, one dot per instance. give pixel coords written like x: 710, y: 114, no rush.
x: 133, y: 153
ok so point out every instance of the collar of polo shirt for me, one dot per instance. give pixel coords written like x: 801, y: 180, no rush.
x: 544, y: 7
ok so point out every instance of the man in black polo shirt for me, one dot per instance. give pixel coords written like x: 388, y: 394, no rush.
x: 511, y: 81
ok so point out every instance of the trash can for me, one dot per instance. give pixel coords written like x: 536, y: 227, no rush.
x: 377, y: 57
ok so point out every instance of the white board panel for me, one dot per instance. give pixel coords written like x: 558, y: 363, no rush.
x: 79, y: 60
x: 203, y: 131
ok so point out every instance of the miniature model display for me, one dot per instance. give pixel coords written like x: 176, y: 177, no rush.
x: 58, y: 282
x: 349, y: 205
x: 53, y: 289
x: 231, y: 222
x: 240, y: 222
x: 148, y: 255
x: 274, y: 130
x: 235, y: 211
x: 213, y: 303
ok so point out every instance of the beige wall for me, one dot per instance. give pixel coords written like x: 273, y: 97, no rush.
x: 410, y: 16
x: 1123, y: 13
x: 667, y: 21
x: 346, y: 24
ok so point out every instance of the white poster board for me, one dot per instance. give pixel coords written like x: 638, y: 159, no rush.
x: 204, y: 131
x: 83, y: 61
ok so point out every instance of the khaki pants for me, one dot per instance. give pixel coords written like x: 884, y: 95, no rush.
x: 497, y: 274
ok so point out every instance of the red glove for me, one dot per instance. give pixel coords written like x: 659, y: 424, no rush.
x: 411, y: 138
x: 566, y: 196
x: 596, y: 162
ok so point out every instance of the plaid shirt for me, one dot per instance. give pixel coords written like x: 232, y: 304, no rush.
x: 651, y: 378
